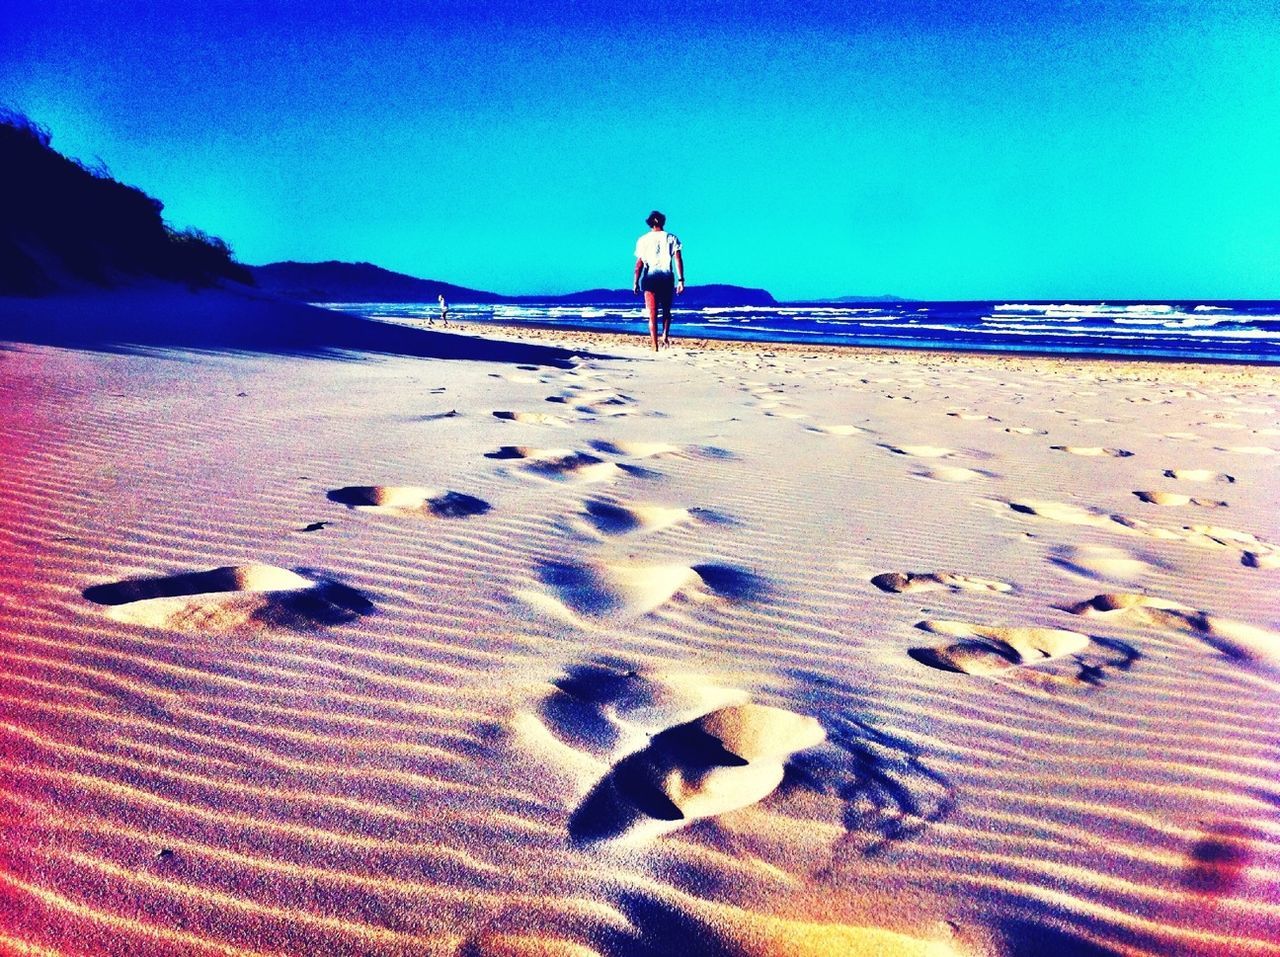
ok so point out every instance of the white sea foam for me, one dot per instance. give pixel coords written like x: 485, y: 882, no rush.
x: 1099, y: 310
x: 1169, y: 321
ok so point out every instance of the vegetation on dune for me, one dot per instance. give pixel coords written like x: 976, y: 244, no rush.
x: 62, y: 220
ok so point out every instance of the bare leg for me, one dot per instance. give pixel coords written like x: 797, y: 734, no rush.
x: 651, y: 301
x: 666, y: 325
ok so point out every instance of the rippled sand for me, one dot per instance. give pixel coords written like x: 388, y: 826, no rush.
x: 728, y: 651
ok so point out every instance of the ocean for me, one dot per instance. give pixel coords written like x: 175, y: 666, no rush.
x: 1240, y: 331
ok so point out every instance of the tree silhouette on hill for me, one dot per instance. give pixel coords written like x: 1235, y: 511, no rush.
x: 61, y: 221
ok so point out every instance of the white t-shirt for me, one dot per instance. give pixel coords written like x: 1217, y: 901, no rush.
x: 656, y: 249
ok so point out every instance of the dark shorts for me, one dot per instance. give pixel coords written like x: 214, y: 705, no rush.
x: 662, y: 285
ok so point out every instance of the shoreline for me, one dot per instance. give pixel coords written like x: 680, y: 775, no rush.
x: 567, y: 337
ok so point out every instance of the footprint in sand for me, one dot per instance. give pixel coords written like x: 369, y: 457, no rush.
x: 1092, y: 450
x: 409, y: 500
x: 580, y: 467
x: 1248, y: 449
x: 953, y: 473
x: 581, y: 370
x: 1198, y: 475
x: 919, y: 451
x: 600, y: 403
x: 523, y: 452
x: 533, y: 418
x: 228, y: 598
x: 1254, y: 552
x: 639, y: 450
x: 837, y: 429
x: 587, y: 593
x: 985, y: 649
x: 660, y: 450
x: 1261, y: 559
x: 1235, y: 639
x: 1105, y: 563
x: 1026, y: 430
x: 614, y: 518
x: 582, y: 395
x: 904, y: 582
x: 729, y: 759
x: 1157, y: 497
x: 566, y: 465
x: 1032, y: 656
x: 1066, y: 514
x: 973, y: 417
x: 680, y: 750
x: 605, y: 707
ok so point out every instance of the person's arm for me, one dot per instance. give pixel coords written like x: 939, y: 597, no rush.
x: 679, y: 271
x: 635, y: 281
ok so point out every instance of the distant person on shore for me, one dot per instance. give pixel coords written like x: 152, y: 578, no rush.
x: 444, y: 310
x: 657, y: 252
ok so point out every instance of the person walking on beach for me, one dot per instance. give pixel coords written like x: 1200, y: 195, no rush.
x: 444, y: 310
x: 657, y: 251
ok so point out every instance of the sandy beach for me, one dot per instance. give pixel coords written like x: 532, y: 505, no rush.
x: 734, y: 650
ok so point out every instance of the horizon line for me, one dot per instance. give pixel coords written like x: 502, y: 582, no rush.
x: 885, y: 297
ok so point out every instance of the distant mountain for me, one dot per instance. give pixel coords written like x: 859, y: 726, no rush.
x: 335, y: 281
x: 64, y: 225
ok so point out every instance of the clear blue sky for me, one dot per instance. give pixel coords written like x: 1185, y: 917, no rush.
x: 1099, y: 148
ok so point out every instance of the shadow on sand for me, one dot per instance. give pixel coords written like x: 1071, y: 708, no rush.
x: 889, y: 791
x: 162, y: 316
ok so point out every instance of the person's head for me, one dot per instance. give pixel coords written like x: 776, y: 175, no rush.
x: 656, y: 220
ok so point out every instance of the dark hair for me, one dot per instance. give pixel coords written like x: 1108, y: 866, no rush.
x: 656, y: 219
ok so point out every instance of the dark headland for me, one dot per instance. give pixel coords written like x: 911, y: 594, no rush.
x: 364, y: 282
x: 89, y: 262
